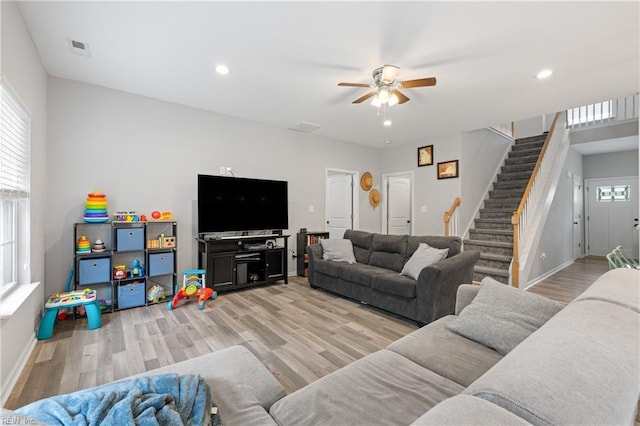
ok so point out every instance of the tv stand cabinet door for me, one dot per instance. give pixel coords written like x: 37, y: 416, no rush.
x: 220, y: 267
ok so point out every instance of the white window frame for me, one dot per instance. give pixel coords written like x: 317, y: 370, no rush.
x: 15, y: 166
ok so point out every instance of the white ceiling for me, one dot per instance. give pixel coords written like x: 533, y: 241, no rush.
x: 286, y: 58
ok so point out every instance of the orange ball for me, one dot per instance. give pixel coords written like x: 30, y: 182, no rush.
x: 155, y: 214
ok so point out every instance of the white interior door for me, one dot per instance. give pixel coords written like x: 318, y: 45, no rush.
x: 339, y: 206
x: 612, y: 207
x: 578, y: 206
x: 398, y: 205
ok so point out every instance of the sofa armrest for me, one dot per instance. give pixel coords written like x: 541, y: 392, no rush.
x: 438, y: 284
x: 315, y: 253
x: 465, y: 295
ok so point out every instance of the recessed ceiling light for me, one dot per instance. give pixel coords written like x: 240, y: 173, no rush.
x: 544, y: 74
x: 222, y: 69
x: 387, y: 142
x: 387, y: 122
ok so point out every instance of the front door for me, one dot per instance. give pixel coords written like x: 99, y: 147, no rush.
x: 339, y: 204
x: 612, y: 207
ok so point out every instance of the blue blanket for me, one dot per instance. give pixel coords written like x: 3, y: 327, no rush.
x: 167, y: 399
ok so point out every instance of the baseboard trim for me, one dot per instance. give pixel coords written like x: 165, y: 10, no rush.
x: 7, y: 387
x: 549, y: 273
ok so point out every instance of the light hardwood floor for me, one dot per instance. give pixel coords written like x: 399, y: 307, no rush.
x: 300, y: 334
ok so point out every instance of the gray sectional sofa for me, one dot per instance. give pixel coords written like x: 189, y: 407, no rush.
x: 581, y: 367
x: 375, y: 277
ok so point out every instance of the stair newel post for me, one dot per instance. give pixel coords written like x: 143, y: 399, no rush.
x: 447, y: 217
x: 449, y: 213
x: 515, y: 271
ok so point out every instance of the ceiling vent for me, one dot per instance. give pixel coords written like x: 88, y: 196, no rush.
x: 79, y: 48
x: 305, y: 127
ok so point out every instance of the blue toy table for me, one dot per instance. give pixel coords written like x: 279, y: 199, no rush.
x: 69, y: 299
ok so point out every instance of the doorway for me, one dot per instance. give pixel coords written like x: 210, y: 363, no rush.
x: 397, y: 203
x: 578, y: 205
x: 341, y: 208
x: 611, y: 207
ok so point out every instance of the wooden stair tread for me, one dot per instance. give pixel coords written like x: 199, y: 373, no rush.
x: 491, y: 271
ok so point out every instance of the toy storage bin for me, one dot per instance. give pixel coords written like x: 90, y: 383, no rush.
x: 129, y: 239
x: 161, y: 264
x: 92, y: 271
x: 131, y: 295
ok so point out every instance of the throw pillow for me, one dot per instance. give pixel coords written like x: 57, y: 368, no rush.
x: 424, y: 256
x: 338, y: 249
x: 501, y: 316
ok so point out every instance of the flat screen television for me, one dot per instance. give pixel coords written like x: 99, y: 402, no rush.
x: 240, y: 204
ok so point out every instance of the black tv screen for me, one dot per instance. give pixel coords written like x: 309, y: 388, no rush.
x: 240, y: 204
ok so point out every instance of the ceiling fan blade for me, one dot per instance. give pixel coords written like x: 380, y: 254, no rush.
x: 389, y: 73
x: 353, y: 84
x: 421, y: 82
x: 402, y: 98
x: 363, y: 98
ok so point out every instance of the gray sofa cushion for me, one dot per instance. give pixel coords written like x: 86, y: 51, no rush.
x: 468, y: 410
x: 383, y: 388
x: 389, y: 251
x: 613, y: 287
x: 424, y: 256
x: 454, y: 244
x: 500, y: 316
x: 445, y: 353
x: 580, y: 368
x: 392, y: 283
x: 327, y: 267
x: 241, y: 386
x: 361, y: 244
x: 360, y: 274
x: 338, y: 250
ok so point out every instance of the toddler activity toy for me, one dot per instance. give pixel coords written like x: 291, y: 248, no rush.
x: 86, y: 299
x: 96, y: 208
x: 193, y: 284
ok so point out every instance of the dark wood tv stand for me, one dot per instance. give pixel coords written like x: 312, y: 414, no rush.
x: 237, y: 262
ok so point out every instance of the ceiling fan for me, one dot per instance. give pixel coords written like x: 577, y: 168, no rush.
x: 385, y: 87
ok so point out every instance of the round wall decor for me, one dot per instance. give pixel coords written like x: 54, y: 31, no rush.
x: 374, y: 198
x: 366, y: 181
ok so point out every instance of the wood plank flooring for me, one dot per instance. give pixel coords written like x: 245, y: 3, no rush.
x: 300, y: 334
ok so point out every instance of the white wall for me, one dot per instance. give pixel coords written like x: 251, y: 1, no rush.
x: 556, y: 241
x: 145, y: 154
x: 437, y: 195
x: 483, y: 152
x: 22, y: 69
x: 613, y: 164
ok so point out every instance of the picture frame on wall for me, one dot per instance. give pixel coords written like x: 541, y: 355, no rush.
x: 448, y: 169
x: 425, y: 156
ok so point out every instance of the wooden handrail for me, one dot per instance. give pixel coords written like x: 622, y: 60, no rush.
x: 515, y: 218
x: 449, y: 213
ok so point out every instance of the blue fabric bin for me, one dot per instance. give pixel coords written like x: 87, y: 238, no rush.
x: 131, y: 295
x: 161, y: 264
x: 91, y: 271
x: 129, y: 239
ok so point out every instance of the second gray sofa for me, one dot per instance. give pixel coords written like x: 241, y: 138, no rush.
x: 375, y: 277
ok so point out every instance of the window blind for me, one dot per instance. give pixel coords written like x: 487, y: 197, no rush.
x: 14, y: 148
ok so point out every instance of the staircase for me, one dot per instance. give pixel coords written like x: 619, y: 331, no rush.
x: 493, y: 232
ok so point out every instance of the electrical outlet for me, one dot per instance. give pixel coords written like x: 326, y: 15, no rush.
x: 543, y: 256
x: 223, y: 170
x: 423, y: 209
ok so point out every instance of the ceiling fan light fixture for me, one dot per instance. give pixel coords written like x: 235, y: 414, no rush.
x: 393, y: 99
x: 376, y: 102
x: 387, y: 122
x: 389, y: 73
x: 383, y: 95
